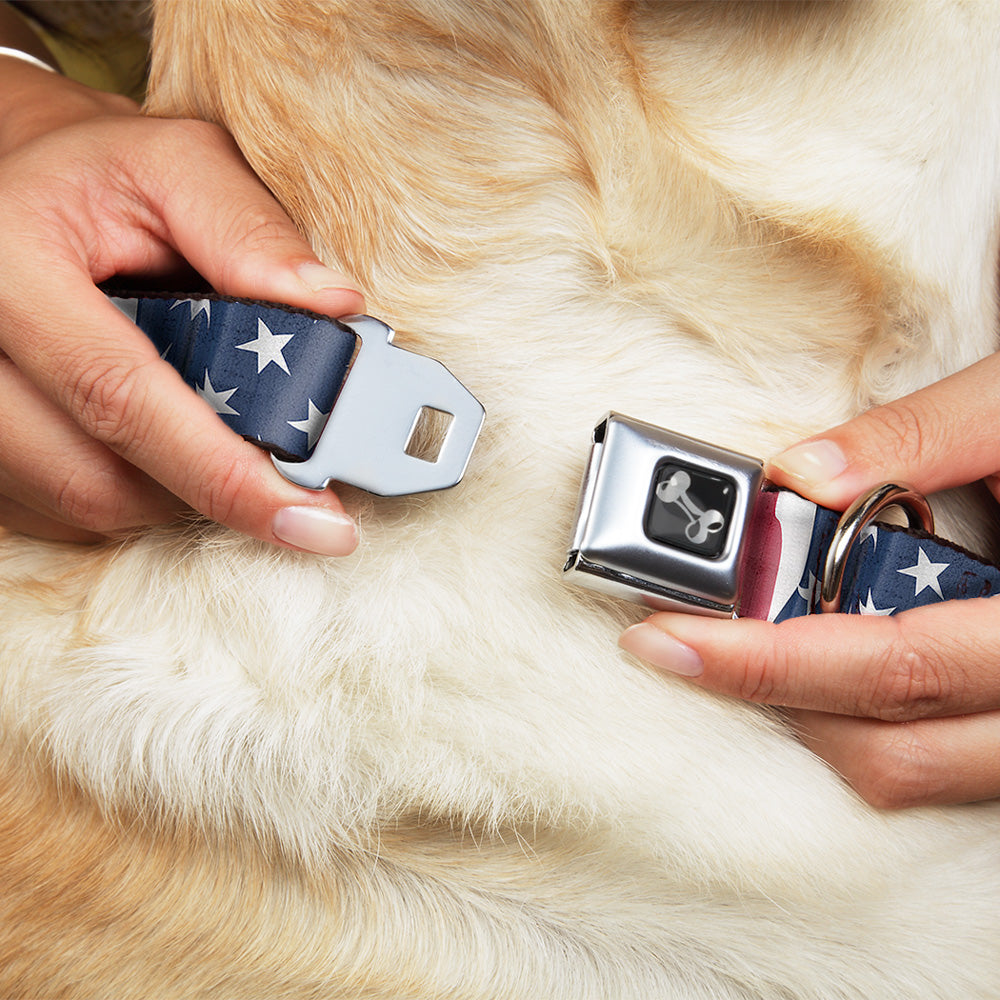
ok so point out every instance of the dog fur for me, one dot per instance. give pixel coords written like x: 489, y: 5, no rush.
x: 426, y: 770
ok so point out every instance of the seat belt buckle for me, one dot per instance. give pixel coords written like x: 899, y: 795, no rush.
x: 367, y: 438
x: 662, y: 518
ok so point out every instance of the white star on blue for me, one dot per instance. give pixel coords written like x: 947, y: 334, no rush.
x: 268, y: 347
x: 313, y: 424
x: 868, y: 607
x: 218, y: 399
x: 925, y: 573
x: 197, y: 306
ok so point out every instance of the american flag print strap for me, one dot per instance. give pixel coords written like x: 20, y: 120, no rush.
x: 330, y: 399
x: 271, y: 374
x: 889, y: 569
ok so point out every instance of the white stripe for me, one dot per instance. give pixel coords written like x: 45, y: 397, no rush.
x: 796, y: 515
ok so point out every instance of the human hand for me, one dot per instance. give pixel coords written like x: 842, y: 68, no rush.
x: 99, y: 435
x: 906, y: 708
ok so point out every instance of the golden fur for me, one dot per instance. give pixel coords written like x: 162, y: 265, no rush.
x: 426, y: 770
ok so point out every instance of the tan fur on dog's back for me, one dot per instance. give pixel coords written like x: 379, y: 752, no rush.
x: 426, y: 770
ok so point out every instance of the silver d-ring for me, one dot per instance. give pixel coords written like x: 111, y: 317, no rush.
x: 854, y: 520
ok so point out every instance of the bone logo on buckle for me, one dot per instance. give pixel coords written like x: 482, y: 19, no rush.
x: 689, y: 499
x: 662, y: 518
x: 365, y: 439
x: 701, y: 523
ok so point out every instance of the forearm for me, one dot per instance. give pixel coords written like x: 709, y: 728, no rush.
x: 34, y: 101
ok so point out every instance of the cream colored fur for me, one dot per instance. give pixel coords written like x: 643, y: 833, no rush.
x: 426, y: 770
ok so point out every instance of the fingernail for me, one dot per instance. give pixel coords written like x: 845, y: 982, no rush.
x: 661, y: 650
x: 814, y: 463
x: 324, y: 279
x: 316, y: 530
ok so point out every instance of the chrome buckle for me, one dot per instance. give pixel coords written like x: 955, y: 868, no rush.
x: 369, y: 429
x: 662, y: 518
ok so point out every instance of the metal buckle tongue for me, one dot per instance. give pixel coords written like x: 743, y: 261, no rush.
x: 367, y: 433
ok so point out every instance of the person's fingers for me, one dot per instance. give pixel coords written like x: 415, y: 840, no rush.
x: 231, y: 229
x: 47, y: 463
x: 137, y: 194
x: 896, y: 765
x: 106, y: 375
x: 933, y: 439
x: 26, y: 521
x: 936, y: 660
x: 98, y: 368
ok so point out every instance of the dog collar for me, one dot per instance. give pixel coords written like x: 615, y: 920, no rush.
x: 678, y: 524
x: 330, y: 399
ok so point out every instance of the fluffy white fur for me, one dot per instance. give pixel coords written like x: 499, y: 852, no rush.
x: 744, y: 223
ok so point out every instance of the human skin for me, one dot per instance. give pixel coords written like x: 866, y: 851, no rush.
x: 907, y: 707
x: 100, y: 435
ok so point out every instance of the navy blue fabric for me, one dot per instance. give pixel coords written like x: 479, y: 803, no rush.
x: 891, y: 569
x: 271, y: 373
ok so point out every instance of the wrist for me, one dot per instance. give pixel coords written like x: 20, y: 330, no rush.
x: 8, y: 53
x: 28, y: 94
x: 34, y: 101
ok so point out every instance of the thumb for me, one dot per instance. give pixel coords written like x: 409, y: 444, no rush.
x: 935, y: 438
x: 232, y: 230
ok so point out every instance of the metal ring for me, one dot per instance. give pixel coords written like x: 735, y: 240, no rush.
x: 854, y: 520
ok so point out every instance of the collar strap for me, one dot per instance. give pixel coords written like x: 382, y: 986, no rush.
x: 330, y: 399
x: 678, y: 524
x: 887, y: 569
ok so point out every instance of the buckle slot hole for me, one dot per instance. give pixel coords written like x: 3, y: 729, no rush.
x: 428, y: 434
